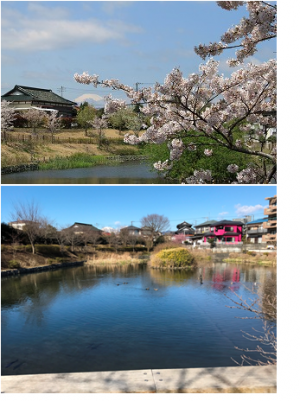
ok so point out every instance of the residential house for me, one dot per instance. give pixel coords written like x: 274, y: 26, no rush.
x: 271, y: 224
x: 200, y: 230
x: 132, y: 230
x: 254, y: 231
x: 82, y: 228
x: 185, y: 228
x: 26, y: 97
x: 226, y: 231
x: 19, y: 224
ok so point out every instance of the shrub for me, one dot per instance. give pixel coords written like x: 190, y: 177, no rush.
x: 173, y: 258
x: 14, y: 264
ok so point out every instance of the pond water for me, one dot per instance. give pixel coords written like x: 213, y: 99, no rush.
x: 132, y: 172
x: 90, y: 318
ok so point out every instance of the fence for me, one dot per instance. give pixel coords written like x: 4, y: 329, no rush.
x: 44, y: 138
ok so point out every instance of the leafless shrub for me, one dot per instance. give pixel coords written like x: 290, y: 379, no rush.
x: 263, y: 305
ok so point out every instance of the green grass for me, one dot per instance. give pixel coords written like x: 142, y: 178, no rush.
x: 78, y: 160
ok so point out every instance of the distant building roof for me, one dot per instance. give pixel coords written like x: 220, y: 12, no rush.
x: 184, y: 224
x: 130, y: 228
x: 257, y: 221
x: 227, y: 222
x: 85, y: 226
x: 206, y: 223
x: 27, y: 93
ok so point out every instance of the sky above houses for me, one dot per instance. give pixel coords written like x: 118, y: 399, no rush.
x: 45, y: 43
x: 119, y: 206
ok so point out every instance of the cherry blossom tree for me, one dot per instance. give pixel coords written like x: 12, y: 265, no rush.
x: 53, y: 123
x: 35, y: 117
x: 7, y: 117
x: 237, y: 112
x: 99, y: 124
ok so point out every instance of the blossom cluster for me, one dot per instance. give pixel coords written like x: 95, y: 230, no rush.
x: 87, y: 79
x: 207, y: 104
x: 7, y: 116
x: 259, y: 26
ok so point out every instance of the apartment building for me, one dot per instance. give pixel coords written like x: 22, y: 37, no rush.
x: 271, y: 224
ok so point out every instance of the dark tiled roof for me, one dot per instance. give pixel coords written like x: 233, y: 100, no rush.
x: 206, y: 223
x: 85, y: 226
x: 184, y: 224
x: 227, y: 223
x: 130, y: 228
x: 35, y: 94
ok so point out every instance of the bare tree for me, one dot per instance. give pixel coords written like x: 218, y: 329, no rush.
x: 133, y: 239
x: 154, y: 224
x: 72, y: 238
x: 263, y: 306
x: 114, y: 240
x: 61, y: 237
x: 124, y: 236
x: 30, y: 214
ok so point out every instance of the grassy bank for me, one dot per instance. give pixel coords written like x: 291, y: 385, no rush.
x: 26, y: 151
x: 77, y: 160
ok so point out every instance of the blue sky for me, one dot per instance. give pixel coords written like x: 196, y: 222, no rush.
x: 116, y: 206
x: 45, y: 43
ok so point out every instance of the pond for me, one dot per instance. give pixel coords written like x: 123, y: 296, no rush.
x: 131, y: 172
x: 93, y: 318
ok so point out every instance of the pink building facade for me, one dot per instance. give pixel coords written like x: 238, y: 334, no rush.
x: 225, y: 231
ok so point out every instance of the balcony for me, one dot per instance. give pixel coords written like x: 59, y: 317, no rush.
x: 269, y: 238
x: 270, y: 210
x: 259, y: 230
x: 270, y: 224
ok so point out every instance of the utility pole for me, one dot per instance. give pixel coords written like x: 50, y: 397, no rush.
x: 61, y: 89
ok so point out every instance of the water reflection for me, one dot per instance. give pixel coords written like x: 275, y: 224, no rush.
x: 125, y: 173
x: 93, y: 318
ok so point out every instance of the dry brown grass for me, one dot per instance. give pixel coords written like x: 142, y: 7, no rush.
x: 267, y: 258
x: 109, y: 258
x: 201, y: 254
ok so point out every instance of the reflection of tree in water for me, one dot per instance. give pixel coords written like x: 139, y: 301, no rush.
x: 36, y: 291
x: 172, y: 277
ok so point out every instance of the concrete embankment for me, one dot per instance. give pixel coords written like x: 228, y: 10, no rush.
x: 15, y: 272
x: 241, y: 379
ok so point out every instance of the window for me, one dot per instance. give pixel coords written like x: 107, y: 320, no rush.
x: 228, y: 229
x: 229, y: 239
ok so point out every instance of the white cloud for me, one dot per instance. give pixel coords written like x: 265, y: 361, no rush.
x: 223, y: 213
x: 110, y: 7
x: 247, y: 210
x: 49, y: 29
x: 46, y: 12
